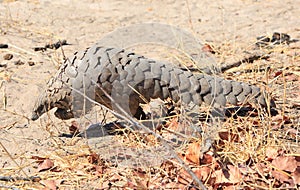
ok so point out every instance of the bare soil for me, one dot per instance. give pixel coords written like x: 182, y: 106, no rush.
x: 231, y: 27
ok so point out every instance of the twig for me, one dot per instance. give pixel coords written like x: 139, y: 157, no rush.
x: 249, y: 59
x: 21, y: 49
x: 10, y: 178
x: 8, y: 187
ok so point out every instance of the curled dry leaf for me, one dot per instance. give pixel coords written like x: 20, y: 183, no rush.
x: 45, y: 165
x: 220, y: 177
x: 39, y: 159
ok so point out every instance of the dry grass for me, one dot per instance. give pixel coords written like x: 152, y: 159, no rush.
x: 244, y: 144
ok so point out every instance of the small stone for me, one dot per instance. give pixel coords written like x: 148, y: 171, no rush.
x: 8, y: 56
x: 19, y: 62
x: 3, y: 64
x: 3, y: 46
x: 31, y: 63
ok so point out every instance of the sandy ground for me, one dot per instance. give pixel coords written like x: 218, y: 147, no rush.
x: 28, y: 24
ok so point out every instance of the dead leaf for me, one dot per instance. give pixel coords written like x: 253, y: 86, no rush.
x: 155, y: 107
x: 291, y: 77
x: 229, y: 187
x: 173, y: 124
x: 276, y: 74
x: 220, y: 177
x: 279, y: 120
x: 51, y: 184
x: 202, y: 173
x: 285, y: 163
x: 172, y: 185
x: 296, y: 176
x: 280, y: 175
x: 38, y: 158
x: 183, y: 177
x: 74, y: 128
x: 93, y: 158
x: 208, y: 48
x: 99, y: 170
x: 235, y: 174
x: 271, y: 153
x: 206, y: 159
x: 193, y: 153
x: 228, y: 136
x: 262, y: 168
x: 45, y: 165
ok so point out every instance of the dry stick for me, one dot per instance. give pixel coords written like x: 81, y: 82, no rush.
x: 249, y: 59
x: 10, y: 178
x: 129, y: 119
x: 8, y: 187
x: 189, y: 14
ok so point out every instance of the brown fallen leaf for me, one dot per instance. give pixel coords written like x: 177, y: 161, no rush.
x: 172, y: 124
x: 220, y: 177
x: 193, y: 153
x: 229, y: 187
x: 262, y: 168
x: 45, y: 165
x: 296, y: 176
x: 202, y: 173
x: 51, y: 184
x: 285, y: 163
x: 271, y: 153
x: 277, y: 73
x: 183, y: 177
x: 172, y: 185
x: 228, y: 136
x: 208, y: 48
x: 39, y: 159
x: 74, y: 128
x: 281, y: 176
x: 279, y: 120
x: 206, y: 159
x: 235, y: 174
x: 93, y: 158
x: 291, y: 77
x: 230, y: 176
